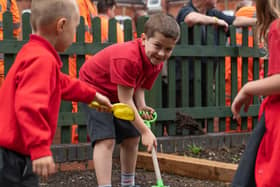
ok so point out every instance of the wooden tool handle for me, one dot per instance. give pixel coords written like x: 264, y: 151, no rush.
x: 155, y: 163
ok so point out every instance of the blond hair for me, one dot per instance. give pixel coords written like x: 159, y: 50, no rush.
x: 267, y: 12
x: 44, y: 12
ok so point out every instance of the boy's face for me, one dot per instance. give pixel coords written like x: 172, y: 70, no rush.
x: 67, y: 33
x: 158, y: 48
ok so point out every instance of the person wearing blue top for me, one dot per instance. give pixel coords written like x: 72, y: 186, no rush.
x: 203, y: 12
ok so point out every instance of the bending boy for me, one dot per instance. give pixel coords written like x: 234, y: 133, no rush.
x: 32, y: 92
x: 122, y: 72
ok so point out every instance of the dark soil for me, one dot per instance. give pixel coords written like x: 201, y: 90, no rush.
x: 224, y: 154
x: 146, y: 178
x: 143, y: 178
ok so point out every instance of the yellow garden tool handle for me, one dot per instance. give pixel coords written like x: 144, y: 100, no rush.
x: 96, y: 105
x: 120, y: 110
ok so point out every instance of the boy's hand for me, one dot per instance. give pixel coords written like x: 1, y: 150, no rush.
x: 149, y: 140
x: 147, y: 112
x: 103, y: 101
x: 43, y: 166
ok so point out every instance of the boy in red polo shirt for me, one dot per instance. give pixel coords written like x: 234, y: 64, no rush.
x: 122, y: 72
x: 31, y: 94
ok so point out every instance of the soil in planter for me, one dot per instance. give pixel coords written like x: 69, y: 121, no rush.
x: 143, y: 178
x: 224, y: 154
x: 146, y: 178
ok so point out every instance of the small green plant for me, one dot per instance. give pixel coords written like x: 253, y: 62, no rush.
x: 194, y: 149
x: 235, y: 159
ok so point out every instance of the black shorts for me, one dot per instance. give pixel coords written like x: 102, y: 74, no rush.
x: 103, y: 125
x: 16, y: 170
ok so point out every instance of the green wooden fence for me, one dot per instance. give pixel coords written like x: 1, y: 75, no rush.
x: 213, y: 53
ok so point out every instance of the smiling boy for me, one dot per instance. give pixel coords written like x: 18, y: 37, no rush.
x: 122, y: 72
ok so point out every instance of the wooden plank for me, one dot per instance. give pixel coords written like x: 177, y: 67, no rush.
x: 80, y: 34
x: 189, y: 167
x: 7, y: 46
x: 7, y: 26
x: 210, y: 69
x: 128, y: 32
x: 112, y: 30
x: 26, y: 27
x: 165, y: 114
x: 140, y: 25
x: 197, y: 82
x: 96, y: 28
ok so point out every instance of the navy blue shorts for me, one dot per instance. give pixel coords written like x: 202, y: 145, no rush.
x: 103, y: 125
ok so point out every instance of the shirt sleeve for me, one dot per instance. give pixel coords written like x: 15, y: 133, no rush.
x: 76, y: 90
x: 274, y: 48
x: 221, y: 15
x: 124, y: 72
x: 183, y: 13
x: 32, y: 100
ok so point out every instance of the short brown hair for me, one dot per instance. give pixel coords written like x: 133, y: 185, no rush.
x: 163, y: 24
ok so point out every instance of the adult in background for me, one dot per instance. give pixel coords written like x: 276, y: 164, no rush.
x: 204, y: 12
x: 106, y: 11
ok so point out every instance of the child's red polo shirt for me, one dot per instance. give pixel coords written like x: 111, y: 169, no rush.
x: 123, y: 64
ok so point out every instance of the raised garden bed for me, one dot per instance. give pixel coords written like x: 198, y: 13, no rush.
x: 180, y: 172
x: 143, y: 177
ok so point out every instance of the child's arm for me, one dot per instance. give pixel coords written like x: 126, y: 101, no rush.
x: 32, y: 99
x: 263, y: 87
x: 76, y: 90
x: 125, y: 95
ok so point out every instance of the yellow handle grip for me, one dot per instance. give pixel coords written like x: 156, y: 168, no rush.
x: 94, y: 104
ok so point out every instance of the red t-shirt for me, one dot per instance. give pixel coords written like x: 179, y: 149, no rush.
x: 267, y: 162
x: 123, y: 64
x: 30, y: 99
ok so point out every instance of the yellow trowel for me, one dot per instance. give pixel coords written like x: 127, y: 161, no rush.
x: 119, y: 110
